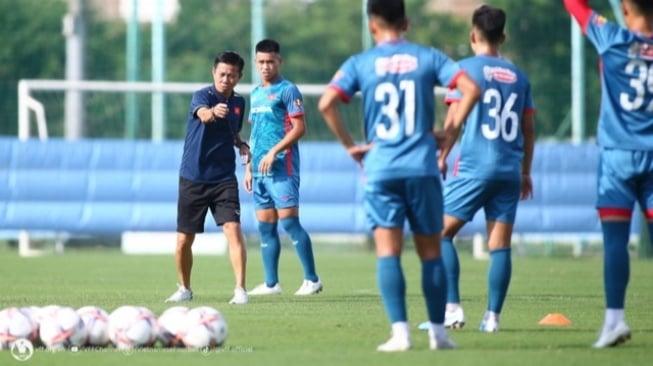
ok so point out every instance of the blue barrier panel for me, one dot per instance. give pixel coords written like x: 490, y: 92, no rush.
x: 111, y: 186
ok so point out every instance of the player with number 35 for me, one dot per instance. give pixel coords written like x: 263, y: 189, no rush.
x: 625, y: 138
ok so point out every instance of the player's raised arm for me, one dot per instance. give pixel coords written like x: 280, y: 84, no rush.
x: 580, y: 10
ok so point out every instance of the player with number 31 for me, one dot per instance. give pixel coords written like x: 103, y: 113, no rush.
x: 396, y: 79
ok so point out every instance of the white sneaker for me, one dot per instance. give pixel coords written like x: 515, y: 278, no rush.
x: 489, y: 325
x: 395, y: 344
x: 441, y: 341
x: 309, y: 288
x: 263, y: 289
x: 182, y: 294
x: 240, y: 296
x: 611, y: 337
x: 454, y: 319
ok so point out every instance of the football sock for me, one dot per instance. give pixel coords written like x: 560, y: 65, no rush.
x: 616, y: 263
x: 392, y: 285
x: 270, y: 251
x: 452, y: 268
x: 303, y: 246
x: 434, y: 287
x: 498, y: 278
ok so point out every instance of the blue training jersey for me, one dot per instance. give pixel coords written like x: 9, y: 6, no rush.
x: 626, y: 118
x: 492, y: 144
x: 270, y: 112
x: 397, y: 81
x: 209, y: 155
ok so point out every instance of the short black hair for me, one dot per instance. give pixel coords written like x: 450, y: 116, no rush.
x: 490, y: 21
x: 230, y: 58
x: 644, y: 6
x: 268, y: 46
x: 392, y: 12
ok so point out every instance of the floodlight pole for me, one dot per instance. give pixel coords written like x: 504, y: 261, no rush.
x: 158, y: 73
x: 74, y: 31
x: 366, y: 37
x: 257, y: 34
x: 577, y: 84
x: 133, y: 60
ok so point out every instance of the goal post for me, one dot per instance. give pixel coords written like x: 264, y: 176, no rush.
x: 29, y: 103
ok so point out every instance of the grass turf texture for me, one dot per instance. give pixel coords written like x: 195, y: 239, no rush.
x: 343, y: 324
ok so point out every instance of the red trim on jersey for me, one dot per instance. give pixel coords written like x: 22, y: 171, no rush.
x: 449, y: 100
x: 529, y: 111
x: 287, y: 128
x: 649, y: 214
x: 456, y: 166
x: 343, y: 96
x: 612, y: 211
x: 454, y: 80
x: 581, y: 11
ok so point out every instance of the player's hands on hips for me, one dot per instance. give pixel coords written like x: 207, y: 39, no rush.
x: 357, y: 152
x: 245, y: 154
x: 442, y: 166
x: 265, y: 165
x: 220, y: 110
x: 247, y: 181
x: 526, y: 187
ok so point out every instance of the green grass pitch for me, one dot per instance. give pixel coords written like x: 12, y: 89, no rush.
x: 343, y: 324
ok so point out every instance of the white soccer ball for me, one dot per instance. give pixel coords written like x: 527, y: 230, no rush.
x: 132, y: 327
x: 96, y: 321
x: 62, y: 329
x: 15, y: 324
x: 206, y: 328
x: 172, y: 326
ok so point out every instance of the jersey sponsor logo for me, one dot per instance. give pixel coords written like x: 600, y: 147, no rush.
x: 499, y: 74
x: 641, y: 50
x: 262, y: 109
x: 396, y: 64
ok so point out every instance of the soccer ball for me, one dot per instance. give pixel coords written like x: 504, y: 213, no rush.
x: 172, y: 326
x: 96, y: 321
x: 132, y: 327
x: 15, y: 324
x: 62, y: 329
x: 206, y: 328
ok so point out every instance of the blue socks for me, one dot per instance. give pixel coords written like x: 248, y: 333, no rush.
x: 498, y: 278
x: 452, y: 268
x: 392, y: 285
x: 270, y: 251
x: 616, y: 262
x: 303, y: 246
x: 434, y: 287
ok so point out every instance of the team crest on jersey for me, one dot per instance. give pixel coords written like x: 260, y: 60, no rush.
x: 272, y: 96
x: 641, y: 50
x: 337, y: 76
x: 237, y: 110
x: 499, y: 74
x: 599, y: 20
x: 298, y: 103
x: 396, y: 64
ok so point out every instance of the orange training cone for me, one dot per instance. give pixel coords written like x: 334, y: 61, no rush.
x: 555, y: 319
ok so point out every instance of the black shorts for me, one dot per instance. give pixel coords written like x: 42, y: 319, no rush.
x: 195, y: 199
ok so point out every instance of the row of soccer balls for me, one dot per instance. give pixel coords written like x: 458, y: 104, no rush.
x: 60, y: 327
